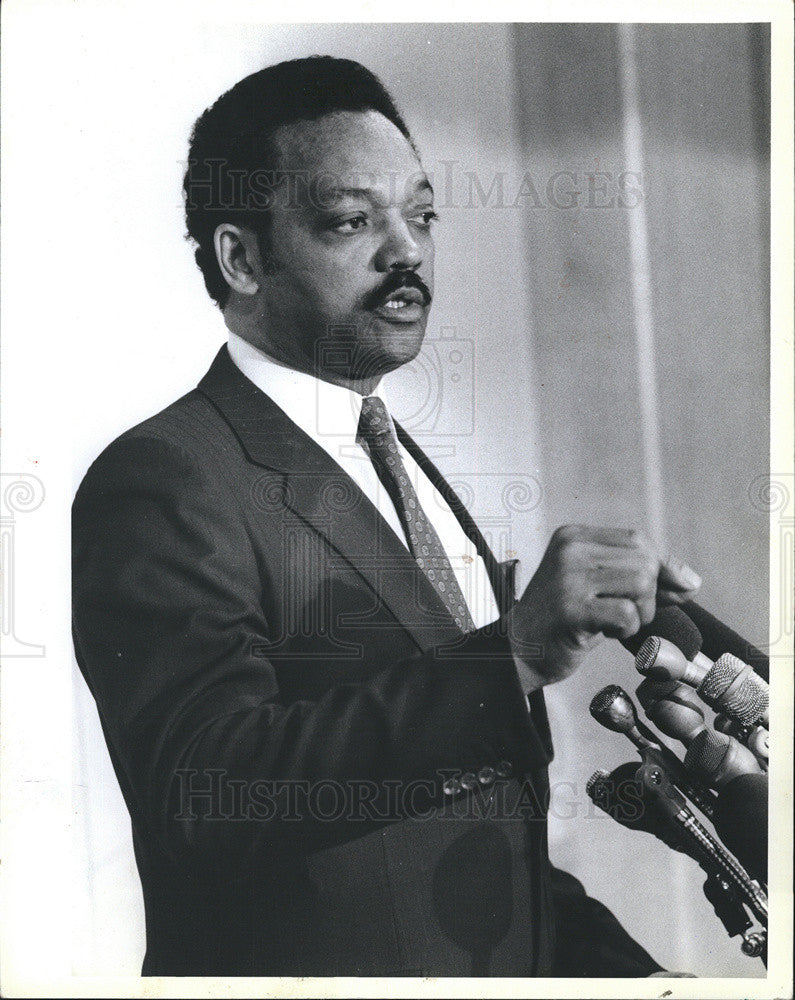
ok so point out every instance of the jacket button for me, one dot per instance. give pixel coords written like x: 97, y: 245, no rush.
x: 487, y: 775
x: 452, y: 786
x: 504, y: 769
x: 469, y: 781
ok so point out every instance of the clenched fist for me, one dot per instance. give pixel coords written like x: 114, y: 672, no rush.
x: 592, y: 582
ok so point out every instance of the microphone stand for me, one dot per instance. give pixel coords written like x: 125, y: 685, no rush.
x: 732, y: 914
x: 728, y: 885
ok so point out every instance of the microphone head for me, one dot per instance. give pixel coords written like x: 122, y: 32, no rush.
x: 594, y: 786
x: 613, y: 708
x: 707, y: 752
x: 746, y: 702
x: 749, y: 703
x: 647, y: 655
x: 720, y: 676
x: 716, y: 758
x: 669, y: 623
x: 662, y: 659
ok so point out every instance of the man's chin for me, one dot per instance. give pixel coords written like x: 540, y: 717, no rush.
x: 395, y: 355
x: 386, y: 350
x: 367, y: 354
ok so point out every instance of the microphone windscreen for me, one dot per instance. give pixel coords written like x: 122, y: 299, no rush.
x: 669, y: 623
x: 741, y: 821
x: 719, y: 638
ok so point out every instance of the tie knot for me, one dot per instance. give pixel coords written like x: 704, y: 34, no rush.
x: 373, y: 419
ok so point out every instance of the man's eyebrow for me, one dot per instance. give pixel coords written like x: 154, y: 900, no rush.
x: 330, y: 195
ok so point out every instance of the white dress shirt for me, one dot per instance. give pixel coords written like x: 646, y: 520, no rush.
x: 329, y: 415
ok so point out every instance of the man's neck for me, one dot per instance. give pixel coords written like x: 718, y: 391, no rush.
x: 237, y: 324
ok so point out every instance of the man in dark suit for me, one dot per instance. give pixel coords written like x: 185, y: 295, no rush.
x: 333, y: 754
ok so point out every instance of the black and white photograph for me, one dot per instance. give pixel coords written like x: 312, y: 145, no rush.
x: 398, y: 508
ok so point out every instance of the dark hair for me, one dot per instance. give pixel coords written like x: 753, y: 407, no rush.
x: 231, y: 142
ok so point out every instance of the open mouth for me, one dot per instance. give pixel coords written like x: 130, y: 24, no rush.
x: 404, y: 305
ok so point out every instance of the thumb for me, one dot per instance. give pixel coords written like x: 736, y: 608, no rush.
x: 676, y: 580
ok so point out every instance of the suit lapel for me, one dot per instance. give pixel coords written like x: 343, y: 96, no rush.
x: 310, y: 483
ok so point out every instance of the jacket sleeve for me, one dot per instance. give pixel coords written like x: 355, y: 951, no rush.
x: 590, y: 942
x: 169, y: 626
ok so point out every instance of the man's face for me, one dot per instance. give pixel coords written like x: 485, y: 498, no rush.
x: 351, y: 275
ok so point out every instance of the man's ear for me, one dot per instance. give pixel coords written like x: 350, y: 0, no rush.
x: 237, y: 253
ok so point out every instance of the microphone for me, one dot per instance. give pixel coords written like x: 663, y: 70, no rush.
x: 756, y: 738
x: 672, y: 623
x: 719, y: 638
x: 670, y: 803
x: 724, y: 724
x: 732, y: 688
x: 623, y: 797
x: 758, y: 742
x: 673, y: 708
x: 632, y: 797
x: 741, y: 821
x: 716, y: 759
x: 663, y: 660
x: 613, y: 708
x: 728, y: 685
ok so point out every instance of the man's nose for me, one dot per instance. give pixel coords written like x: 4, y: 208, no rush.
x: 398, y: 249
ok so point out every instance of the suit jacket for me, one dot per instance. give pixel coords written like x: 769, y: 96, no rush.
x: 324, y: 777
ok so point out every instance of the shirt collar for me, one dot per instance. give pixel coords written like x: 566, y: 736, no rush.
x: 327, y: 413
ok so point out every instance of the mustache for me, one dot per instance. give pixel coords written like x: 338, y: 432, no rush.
x: 393, y: 283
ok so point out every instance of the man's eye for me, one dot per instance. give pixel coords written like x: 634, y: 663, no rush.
x: 426, y: 218
x: 351, y: 225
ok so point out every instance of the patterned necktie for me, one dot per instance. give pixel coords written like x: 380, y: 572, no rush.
x: 426, y: 547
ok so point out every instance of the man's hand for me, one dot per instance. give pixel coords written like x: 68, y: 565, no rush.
x: 592, y: 582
